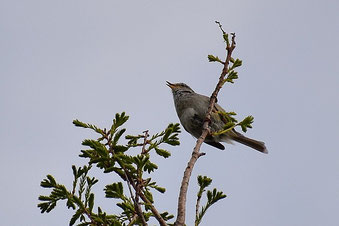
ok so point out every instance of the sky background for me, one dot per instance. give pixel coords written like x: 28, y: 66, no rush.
x: 87, y: 60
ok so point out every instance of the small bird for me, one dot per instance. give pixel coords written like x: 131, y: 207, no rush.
x: 192, y: 107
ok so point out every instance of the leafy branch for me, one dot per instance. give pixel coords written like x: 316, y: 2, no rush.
x: 212, y: 197
x: 232, y: 123
x: 83, y: 202
x: 108, y: 154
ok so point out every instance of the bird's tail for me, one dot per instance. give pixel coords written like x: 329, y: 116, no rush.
x: 255, y: 144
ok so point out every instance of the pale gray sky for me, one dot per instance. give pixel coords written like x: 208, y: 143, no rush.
x: 61, y: 60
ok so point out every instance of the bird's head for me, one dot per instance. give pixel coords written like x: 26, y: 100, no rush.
x: 179, y: 88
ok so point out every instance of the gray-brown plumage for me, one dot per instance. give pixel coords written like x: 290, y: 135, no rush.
x: 192, y: 107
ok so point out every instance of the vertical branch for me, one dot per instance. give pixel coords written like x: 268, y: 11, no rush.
x: 180, y: 221
x: 155, y: 212
x: 135, y: 199
x: 138, y: 206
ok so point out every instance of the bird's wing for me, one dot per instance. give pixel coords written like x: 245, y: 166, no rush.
x: 215, y: 144
x: 215, y: 113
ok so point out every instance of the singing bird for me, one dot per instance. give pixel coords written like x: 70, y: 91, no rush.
x: 192, y: 107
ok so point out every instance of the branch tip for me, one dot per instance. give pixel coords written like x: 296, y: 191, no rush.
x: 201, y: 154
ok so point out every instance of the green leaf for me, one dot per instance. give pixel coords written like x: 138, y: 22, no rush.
x: 97, y: 146
x: 228, y: 125
x: 166, y: 216
x: 120, y: 119
x: 114, y: 190
x: 43, y: 206
x: 237, y: 63
x: 160, y: 189
x: 225, y: 37
x: 149, y: 195
x: 50, y: 207
x: 78, y: 123
x: 70, y: 204
x: 232, y: 75
x: 212, y: 58
x: 173, y: 142
x: 49, y: 182
x: 120, y: 148
x: 75, y: 217
x: 162, y: 152
x: 156, y: 187
x: 175, y: 127
x: 204, y: 181
x: 133, y: 140
x: 127, y: 206
x: 168, y: 132
x: 91, y: 202
x: 140, y: 160
x: 45, y: 198
x: 75, y: 172
x: 110, y: 169
x: 150, y: 167
x: 78, y: 201
x: 228, y: 115
x: 92, y: 181
x: 117, y: 136
x: 214, y: 196
x: 246, y: 123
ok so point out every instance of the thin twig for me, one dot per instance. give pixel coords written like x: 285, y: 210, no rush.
x: 129, y: 185
x: 180, y: 221
x: 144, y: 151
x: 197, y: 210
x: 155, y: 212
x: 134, y: 218
x: 88, y: 214
x: 138, y: 206
x: 135, y: 200
x: 139, y: 184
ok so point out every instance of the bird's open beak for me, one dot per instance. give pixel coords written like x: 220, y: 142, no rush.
x: 170, y: 84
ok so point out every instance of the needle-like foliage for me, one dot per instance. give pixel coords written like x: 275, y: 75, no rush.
x: 111, y: 156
